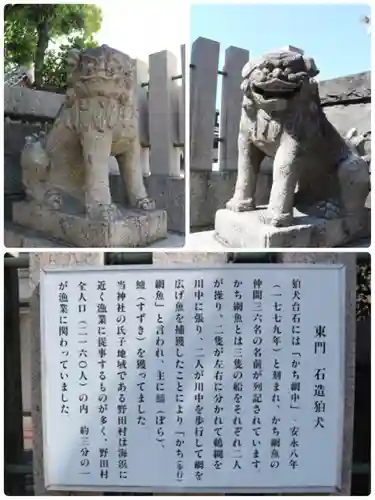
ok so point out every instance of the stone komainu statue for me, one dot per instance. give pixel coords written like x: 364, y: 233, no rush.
x: 282, y: 118
x: 69, y: 166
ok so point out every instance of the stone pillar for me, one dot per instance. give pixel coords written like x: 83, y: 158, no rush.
x: 163, y: 106
x: 231, y: 107
x: 181, y: 104
x: 37, y: 262
x: 203, y: 85
x: 349, y: 261
x: 143, y: 121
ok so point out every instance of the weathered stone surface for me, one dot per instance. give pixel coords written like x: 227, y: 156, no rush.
x: 209, y: 191
x: 168, y: 193
x: 345, y: 88
x: 163, y: 110
x: 231, y: 99
x: 203, y: 82
x: 165, y: 258
x: 16, y: 236
x: 133, y: 228
x: 14, y: 141
x: 98, y: 119
x: 282, y: 118
x: 19, y: 101
x: 247, y: 230
x: 346, y: 117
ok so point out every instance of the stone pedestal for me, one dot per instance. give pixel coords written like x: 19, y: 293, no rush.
x: 246, y: 230
x: 133, y: 228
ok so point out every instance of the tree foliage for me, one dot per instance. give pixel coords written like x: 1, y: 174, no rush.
x: 29, y: 30
x: 363, y: 291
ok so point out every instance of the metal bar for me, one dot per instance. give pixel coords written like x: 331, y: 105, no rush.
x: 222, y: 73
x: 21, y: 262
x: 176, y: 77
x: 361, y: 469
x: 18, y: 468
x: 178, y: 144
x: 251, y: 258
x: 122, y: 258
x: 13, y: 418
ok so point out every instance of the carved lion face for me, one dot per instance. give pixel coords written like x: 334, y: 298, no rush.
x: 99, y: 70
x: 276, y: 77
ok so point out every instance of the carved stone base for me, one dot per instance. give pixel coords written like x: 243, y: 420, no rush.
x: 246, y: 230
x: 135, y: 228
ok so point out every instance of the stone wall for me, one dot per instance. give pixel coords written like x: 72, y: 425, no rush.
x: 347, y: 104
x: 30, y: 111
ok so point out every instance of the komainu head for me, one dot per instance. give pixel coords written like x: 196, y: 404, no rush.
x: 100, y: 71
x: 276, y: 77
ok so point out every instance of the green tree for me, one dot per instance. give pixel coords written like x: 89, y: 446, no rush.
x: 29, y: 29
x: 54, y: 72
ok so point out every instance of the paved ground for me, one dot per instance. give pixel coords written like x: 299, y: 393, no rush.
x: 172, y: 241
x: 204, y: 241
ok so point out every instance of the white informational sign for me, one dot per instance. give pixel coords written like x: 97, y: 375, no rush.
x: 193, y: 379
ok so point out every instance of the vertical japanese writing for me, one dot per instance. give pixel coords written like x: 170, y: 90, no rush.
x: 83, y: 397
x: 276, y: 375
x: 160, y: 416
x: 122, y: 389
x: 295, y: 385
x: 218, y: 444
x: 64, y: 345
x: 237, y: 377
x: 179, y: 295
x: 199, y: 377
x: 141, y: 351
x: 257, y: 309
x: 102, y: 345
x: 320, y: 352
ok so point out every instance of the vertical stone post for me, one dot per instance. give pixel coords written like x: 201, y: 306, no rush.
x: 37, y: 262
x: 203, y: 87
x: 231, y: 104
x: 181, y: 107
x: 142, y: 76
x: 163, y: 105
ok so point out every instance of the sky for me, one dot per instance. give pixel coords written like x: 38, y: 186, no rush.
x: 330, y: 33
x: 142, y: 27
